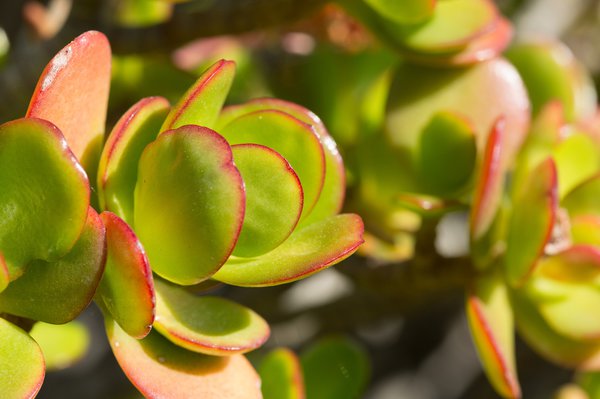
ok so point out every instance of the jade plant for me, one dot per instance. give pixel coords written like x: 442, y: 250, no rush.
x: 186, y: 197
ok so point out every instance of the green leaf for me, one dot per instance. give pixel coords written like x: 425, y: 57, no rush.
x: 281, y: 375
x: 118, y: 170
x: 21, y: 362
x: 577, y: 159
x: 404, y: 11
x: 583, y: 199
x: 531, y: 222
x: 305, y: 252
x: 295, y: 140
x: 427, y: 205
x: 159, y: 368
x: 335, y: 368
x: 72, y: 93
x: 43, y: 219
x: 126, y: 290
x: 4, y: 276
x: 56, y: 292
x: 274, y: 199
x: 62, y: 345
x: 189, y: 204
x: 447, y: 139
x: 207, y: 324
x: 142, y: 13
x: 585, y: 229
x: 201, y: 104
x: 491, y: 325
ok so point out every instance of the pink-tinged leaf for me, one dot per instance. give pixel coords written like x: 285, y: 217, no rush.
x: 274, y: 199
x: 4, y: 276
x: 531, y: 222
x: 488, y: 189
x: 585, y: 229
x: 305, y: 252
x: 491, y: 324
x: 201, y: 104
x: 21, y: 362
x: 57, y: 292
x: 117, y: 173
x: 207, y: 324
x: 566, y: 288
x: 583, y: 200
x: 281, y: 375
x: 189, y: 204
x: 72, y: 93
x: 160, y: 369
x: 42, y: 218
x: 295, y: 140
x: 127, y: 289
x: 427, y: 205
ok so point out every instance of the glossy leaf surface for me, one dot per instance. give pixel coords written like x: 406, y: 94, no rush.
x: 305, y: 252
x: 160, y: 369
x: 56, y: 292
x: 274, y: 199
x: 126, y: 289
x: 207, y: 324
x: 62, y: 345
x: 201, y: 104
x: 281, y: 375
x: 21, y: 362
x: 189, y: 204
x: 44, y: 220
x: 117, y: 173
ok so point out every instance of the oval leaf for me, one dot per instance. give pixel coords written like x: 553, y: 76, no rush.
x: 189, y: 204
x: 62, y: 345
x: 118, y: 170
x: 404, y: 11
x: 281, y: 375
x: 56, y: 292
x: 43, y: 219
x: 274, y: 199
x: 207, y: 324
x: 305, y: 252
x: 126, y: 290
x: 160, y: 369
x: 21, y: 362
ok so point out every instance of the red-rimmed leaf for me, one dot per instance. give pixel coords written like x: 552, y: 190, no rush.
x: 488, y: 189
x: 72, y: 93
x: 63, y: 345
x: 305, y: 252
x: 585, y: 229
x: 295, y: 140
x: 127, y: 289
x: 117, y: 173
x: 21, y: 362
x: 583, y: 199
x: 201, y: 104
x: 281, y: 375
x: 160, y: 369
x: 274, y: 199
x: 43, y: 218
x: 207, y: 324
x: 531, y: 222
x: 189, y: 204
x: 491, y: 324
x: 56, y: 292
x: 4, y: 276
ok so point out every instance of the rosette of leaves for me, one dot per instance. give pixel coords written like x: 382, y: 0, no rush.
x: 246, y: 195
x: 536, y: 243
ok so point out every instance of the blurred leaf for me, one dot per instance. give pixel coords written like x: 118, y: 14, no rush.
x: 577, y: 159
x: 583, y: 199
x: 404, y: 11
x: 281, y: 375
x: 142, y: 13
x: 585, y: 229
x: 62, y: 345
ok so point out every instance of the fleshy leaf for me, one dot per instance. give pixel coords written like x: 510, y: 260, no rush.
x: 295, y: 140
x: 281, y: 375
x: 21, y: 362
x: 117, y: 173
x: 335, y: 368
x: 447, y: 139
x: 160, y: 369
x: 43, y: 219
x: 577, y: 159
x: 62, y: 345
x: 72, y: 93
x: 126, y: 290
x: 583, y: 199
x: 201, y: 104
x: 207, y: 324
x: 56, y: 292
x: 427, y: 205
x: 585, y: 229
x: 491, y: 324
x: 531, y: 222
x: 305, y: 252
x: 488, y: 190
x: 142, y: 13
x: 404, y: 11
x: 4, y: 276
x: 567, y: 285
x: 274, y: 199
x: 189, y: 204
